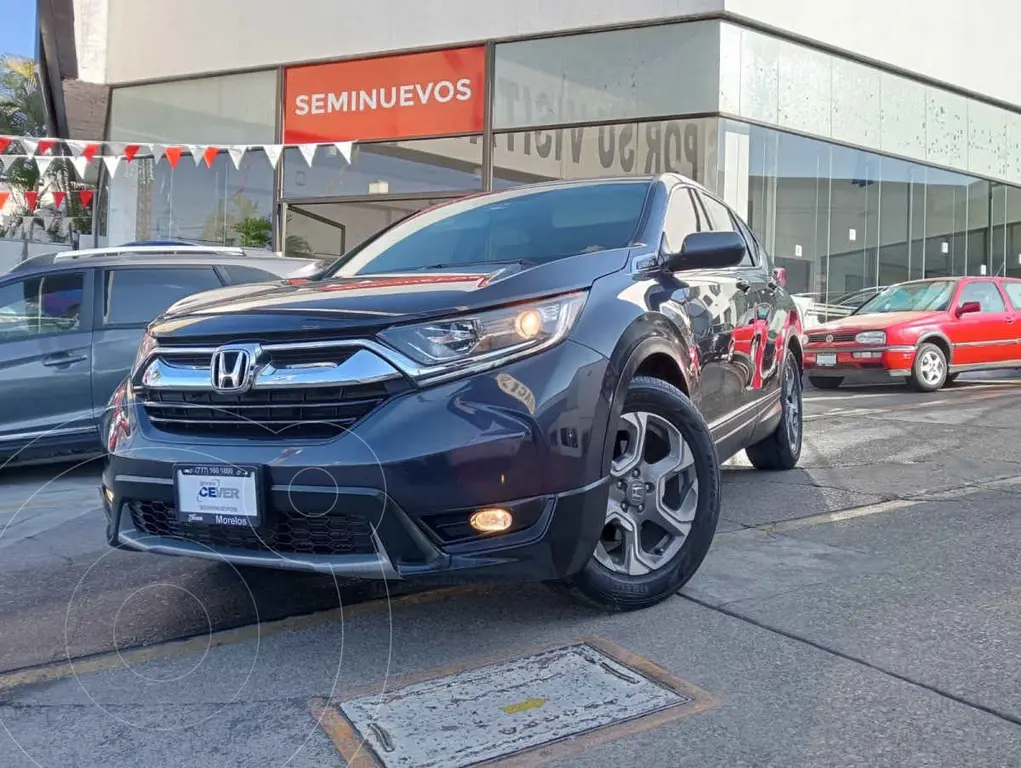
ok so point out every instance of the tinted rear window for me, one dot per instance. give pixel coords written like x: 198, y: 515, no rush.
x: 534, y: 225
x: 136, y: 296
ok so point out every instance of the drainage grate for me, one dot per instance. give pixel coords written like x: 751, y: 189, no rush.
x: 524, y: 704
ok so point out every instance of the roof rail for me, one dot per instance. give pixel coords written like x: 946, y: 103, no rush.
x: 146, y: 249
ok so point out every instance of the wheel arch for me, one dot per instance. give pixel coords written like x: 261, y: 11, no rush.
x: 940, y: 341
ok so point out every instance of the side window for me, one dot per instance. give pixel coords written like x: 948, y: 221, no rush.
x: 238, y: 274
x: 136, y: 296
x: 41, y: 305
x: 722, y: 220
x: 1013, y: 293
x: 985, y: 293
x: 681, y: 219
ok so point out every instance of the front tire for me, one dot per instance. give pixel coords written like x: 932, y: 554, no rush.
x: 929, y: 371
x: 782, y: 449
x: 663, y: 505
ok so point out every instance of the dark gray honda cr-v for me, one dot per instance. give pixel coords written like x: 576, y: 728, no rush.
x: 538, y: 383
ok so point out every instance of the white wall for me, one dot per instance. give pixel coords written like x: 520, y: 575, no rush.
x: 967, y: 43
x: 173, y: 38
x: 90, y: 38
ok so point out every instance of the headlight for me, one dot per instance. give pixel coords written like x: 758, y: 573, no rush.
x: 459, y: 342
x: 871, y: 337
x: 145, y: 347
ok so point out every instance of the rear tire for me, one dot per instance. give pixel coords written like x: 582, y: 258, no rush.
x: 644, y: 557
x: 929, y: 371
x: 826, y: 382
x: 782, y: 449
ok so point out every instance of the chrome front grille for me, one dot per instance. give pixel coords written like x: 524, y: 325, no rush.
x: 296, y: 391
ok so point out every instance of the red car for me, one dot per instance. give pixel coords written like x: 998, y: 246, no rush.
x: 928, y: 331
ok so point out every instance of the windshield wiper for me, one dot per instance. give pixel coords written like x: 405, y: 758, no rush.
x: 453, y: 265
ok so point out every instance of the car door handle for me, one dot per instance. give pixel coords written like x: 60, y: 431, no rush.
x: 1009, y: 320
x: 744, y: 286
x: 64, y: 358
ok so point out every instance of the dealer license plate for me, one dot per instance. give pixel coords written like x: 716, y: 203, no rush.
x: 826, y: 359
x: 216, y: 494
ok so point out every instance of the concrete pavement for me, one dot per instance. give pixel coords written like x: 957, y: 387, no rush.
x: 861, y: 610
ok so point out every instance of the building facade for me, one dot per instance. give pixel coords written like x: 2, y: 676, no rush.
x: 866, y: 143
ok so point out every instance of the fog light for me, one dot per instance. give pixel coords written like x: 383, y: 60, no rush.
x: 491, y: 520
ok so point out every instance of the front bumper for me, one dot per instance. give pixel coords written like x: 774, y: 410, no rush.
x: 849, y: 359
x: 391, y: 497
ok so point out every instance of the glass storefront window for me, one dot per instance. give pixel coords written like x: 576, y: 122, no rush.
x: 629, y: 149
x: 395, y: 167
x: 219, y: 205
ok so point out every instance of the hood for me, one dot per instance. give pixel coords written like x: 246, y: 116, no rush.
x: 368, y: 303
x: 874, y: 322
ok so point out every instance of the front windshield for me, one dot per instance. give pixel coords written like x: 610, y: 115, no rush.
x: 533, y: 225
x: 911, y: 297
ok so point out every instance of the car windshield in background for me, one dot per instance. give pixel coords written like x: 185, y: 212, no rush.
x: 529, y: 225
x: 911, y: 297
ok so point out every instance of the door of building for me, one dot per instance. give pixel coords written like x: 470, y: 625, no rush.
x: 328, y: 230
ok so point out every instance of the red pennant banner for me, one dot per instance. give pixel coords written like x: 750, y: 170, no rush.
x: 45, y: 145
x: 4, y: 143
x: 90, y: 151
x: 4, y: 196
x: 85, y: 196
x: 210, y: 156
x: 131, y: 150
x: 32, y: 198
x: 173, y: 155
x: 58, y: 199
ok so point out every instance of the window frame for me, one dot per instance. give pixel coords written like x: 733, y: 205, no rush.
x: 700, y: 216
x: 750, y: 245
x: 959, y: 299
x: 85, y: 313
x: 1016, y: 306
x: 100, y: 291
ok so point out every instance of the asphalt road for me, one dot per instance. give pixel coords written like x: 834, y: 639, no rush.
x: 863, y: 609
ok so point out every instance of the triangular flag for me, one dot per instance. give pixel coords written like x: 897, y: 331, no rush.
x: 210, y: 156
x: 32, y: 198
x: 173, y: 156
x: 111, y: 162
x: 196, y: 153
x: 157, y: 153
x: 45, y: 145
x: 85, y: 196
x: 114, y: 149
x: 4, y: 143
x: 237, y: 153
x: 81, y: 165
x: 4, y: 195
x: 90, y: 151
x: 273, y: 152
x: 29, y: 145
x: 131, y: 150
x: 76, y: 147
x: 344, y: 147
x: 43, y: 163
x: 58, y: 198
x: 308, y: 151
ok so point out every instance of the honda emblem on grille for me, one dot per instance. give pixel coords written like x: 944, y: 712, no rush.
x: 233, y: 367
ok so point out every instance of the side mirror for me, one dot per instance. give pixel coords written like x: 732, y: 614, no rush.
x: 968, y: 308
x: 707, y: 250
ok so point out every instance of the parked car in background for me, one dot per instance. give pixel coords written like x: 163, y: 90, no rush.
x: 70, y: 325
x: 925, y: 331
x: 535, y: 383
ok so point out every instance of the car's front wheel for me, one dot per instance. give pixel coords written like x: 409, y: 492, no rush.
x: 663, y: 506
x: 782, y: 448
x: 929, y: 371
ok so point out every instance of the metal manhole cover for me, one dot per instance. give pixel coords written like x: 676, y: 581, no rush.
x: 503, y: 709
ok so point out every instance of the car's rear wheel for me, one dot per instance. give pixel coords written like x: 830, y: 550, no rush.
x: 782, y: 449
x: 663, y: 505
x: 929, y: 371
x: 826, y: 382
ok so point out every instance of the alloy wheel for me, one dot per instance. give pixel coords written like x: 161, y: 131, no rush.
x: 931, y: 367
x: 792, y: 405
x: 653, y: 496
